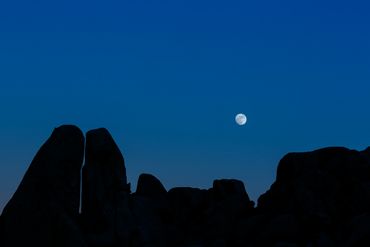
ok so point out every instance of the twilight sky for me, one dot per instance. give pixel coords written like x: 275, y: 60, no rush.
x: 167, y: 78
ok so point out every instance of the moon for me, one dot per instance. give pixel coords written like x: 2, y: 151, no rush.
x: 241, y: 119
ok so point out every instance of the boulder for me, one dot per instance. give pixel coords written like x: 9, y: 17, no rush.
x: 229, y: 203
x: 105, y: 210
x: 223, y: 188
x: 324, y: 188
x: 151, y: 211
x: 44, y: 209
x: 151, y: 220
x: 231, y: 192
x: 150, y: 186
x: 330, y: 182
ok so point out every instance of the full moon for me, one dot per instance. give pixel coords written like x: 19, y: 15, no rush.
x: 241, y: 119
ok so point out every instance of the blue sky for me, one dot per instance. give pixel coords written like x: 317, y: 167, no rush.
x: 167, y: 78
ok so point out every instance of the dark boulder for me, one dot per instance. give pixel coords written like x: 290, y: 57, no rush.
x: 151, y: 212
x: 228, y: 204
x: 223, y: 188
x: 324, y: 188
x: 330, y: 182
x: 150, y: 215
x: 105, y: 202
x: 149, y: 185
x: 209, y: 217
x: 231, y: 192
x: 44, y: 209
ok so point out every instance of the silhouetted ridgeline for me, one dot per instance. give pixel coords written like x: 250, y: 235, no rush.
x: 320, y: 198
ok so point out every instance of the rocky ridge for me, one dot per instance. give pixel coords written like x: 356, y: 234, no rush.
x: 320, y: 198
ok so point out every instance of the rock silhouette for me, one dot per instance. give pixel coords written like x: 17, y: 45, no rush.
x: 324, y: 190
x: 104, y: 191
x: 44, y: 209
x: 320, y: 198
x: 150, y: 186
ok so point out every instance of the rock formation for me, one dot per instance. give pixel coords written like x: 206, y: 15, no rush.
x: 319, y: 198
x: 150, y: 209
x: 150, y: 186
x: 44, y: 209
x: 105, y: 192
x: 323, y: 190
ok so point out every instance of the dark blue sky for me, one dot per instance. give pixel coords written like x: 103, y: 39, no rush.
x: 167, y: 78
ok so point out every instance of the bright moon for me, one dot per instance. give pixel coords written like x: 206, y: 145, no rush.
x: 241, y: 119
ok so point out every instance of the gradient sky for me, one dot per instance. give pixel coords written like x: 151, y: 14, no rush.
x: 167, y: 78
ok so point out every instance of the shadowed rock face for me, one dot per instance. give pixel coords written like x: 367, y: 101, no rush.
x: 45, y: 206
x: 319, y: 198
